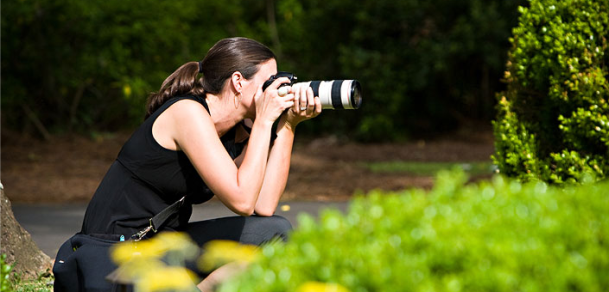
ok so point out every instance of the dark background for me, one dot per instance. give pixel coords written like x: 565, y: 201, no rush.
x: 427, y: 68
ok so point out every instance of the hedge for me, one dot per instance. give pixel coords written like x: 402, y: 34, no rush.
x: 499, y: 235
x: 553, y: 120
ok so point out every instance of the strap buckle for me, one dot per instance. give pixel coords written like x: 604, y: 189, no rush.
x: 160, y: 219
x: 140, y: 235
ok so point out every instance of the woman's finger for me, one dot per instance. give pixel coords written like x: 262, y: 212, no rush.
x: 288, y: 101
x: 296, y: 107
x: 283, y: 91
x: 275, y: 85
x: 317, y: 106
x: 310, y: 101
x: 303, y: 98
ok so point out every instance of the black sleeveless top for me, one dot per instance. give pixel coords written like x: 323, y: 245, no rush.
x: 146, y: 178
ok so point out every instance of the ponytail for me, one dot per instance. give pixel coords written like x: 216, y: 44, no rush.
x: 222, y: 60
x: 181, y: 82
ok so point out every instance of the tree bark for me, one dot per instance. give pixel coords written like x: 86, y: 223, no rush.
x: 18, y: 245
x: 36, y: 121
x: 270, y: 15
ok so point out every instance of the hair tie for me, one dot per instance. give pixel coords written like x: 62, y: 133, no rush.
x: 200, y: 66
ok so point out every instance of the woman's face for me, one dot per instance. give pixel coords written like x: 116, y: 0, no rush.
x: 267, y: 69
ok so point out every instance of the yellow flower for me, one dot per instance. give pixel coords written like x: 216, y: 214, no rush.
x: 141, y: 250
x: 140, y: 262
x: 154, y: 248
x: 220, y: 252
x: 177, y: 241
x: 131, y: 271
x: 166, y: 279
x: 321, y: 287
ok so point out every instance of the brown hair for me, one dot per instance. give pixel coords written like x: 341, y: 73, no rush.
x: 223, y: 59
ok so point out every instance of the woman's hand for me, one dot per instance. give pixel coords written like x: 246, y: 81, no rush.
x: 269, y: 104
x: 306, y: 106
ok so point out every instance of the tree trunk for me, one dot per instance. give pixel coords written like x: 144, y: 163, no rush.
x: 18, y: 245
x: 270, y: 15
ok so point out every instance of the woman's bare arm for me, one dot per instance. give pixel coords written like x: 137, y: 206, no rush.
x: 278, y: 166
x: 195, y: 134
x: 277, y: 170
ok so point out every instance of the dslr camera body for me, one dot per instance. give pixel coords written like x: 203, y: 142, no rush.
x: 334, y: 94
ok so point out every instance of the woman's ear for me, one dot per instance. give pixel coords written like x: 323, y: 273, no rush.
x: 237, y: 81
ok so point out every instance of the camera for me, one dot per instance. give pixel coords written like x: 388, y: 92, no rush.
x: 334, y: 94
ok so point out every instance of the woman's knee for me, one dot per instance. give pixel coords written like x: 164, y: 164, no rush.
x: 281, y: 225
x: 260, y: 229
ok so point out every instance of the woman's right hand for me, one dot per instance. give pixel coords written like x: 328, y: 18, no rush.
x: 269, y: 104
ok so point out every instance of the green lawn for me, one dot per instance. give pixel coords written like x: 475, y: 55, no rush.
x: 429, y: 168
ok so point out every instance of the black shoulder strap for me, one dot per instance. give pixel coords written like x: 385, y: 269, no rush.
x: 159, y: 219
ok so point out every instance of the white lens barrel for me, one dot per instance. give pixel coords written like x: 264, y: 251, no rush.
x: 335, y: 94
x: 325, y: 94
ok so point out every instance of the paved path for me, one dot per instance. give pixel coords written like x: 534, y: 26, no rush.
x: 50, y: 225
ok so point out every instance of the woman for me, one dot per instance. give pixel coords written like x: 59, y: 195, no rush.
x: 205, y: 137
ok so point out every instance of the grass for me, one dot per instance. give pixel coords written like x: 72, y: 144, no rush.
x: 14, y: 282
x: 429, y: 168
x: 41, y: 285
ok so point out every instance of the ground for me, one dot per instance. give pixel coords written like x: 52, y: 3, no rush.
x: 69, y: 168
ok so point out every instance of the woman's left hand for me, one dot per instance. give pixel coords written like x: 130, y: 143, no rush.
x: 306, y: 106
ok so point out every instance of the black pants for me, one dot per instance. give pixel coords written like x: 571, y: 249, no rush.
x: 255, y: 230
x: 248, y: 230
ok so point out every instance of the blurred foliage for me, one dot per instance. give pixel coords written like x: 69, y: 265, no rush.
x: 88, y: 66
x: 474, y: 168
x: 221, y: 252
x: 156, y: 264
x: 5, y: 274
x: 553, y: 120
x: 10, y: 281
x: 499, y: 235
x: 425, y: 66
x: 159, y: 263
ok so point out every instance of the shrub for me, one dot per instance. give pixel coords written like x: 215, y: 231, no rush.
x: 501, y: 235
x: 553, y: 121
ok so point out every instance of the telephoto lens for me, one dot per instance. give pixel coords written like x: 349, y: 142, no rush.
x: 333, y: 94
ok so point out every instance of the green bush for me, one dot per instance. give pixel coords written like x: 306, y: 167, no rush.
x: 553, y: 121
x: 501, y: 235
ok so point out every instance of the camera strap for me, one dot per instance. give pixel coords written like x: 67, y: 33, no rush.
x: 159, y: 219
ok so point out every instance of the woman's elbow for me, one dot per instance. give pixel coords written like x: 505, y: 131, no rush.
x: 245, y: 210
x: 265, y: 212
x: 239, y: 205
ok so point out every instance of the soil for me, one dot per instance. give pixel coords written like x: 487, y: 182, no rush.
x: 69, y: 168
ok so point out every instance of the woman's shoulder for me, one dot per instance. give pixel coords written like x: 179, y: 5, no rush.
x: 188, y: 106
x: 180, y: 122
x: 190, y: 100
x: 196, y: 102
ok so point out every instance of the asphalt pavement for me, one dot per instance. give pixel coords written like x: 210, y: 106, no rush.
x: 51, y: 224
